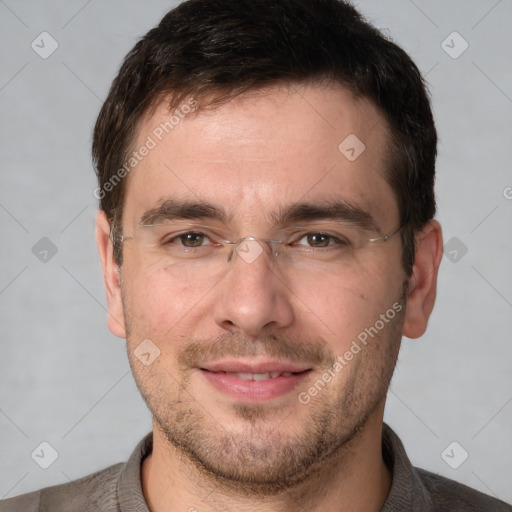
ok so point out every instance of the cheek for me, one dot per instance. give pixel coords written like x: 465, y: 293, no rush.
x: 155, y: 302
x: 353, y: 302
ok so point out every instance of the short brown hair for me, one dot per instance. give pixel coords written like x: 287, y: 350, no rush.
x: 223, y: 48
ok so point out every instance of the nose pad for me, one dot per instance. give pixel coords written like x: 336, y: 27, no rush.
x: 250, y: 249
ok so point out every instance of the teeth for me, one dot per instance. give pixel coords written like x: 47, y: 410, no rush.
x: 260, y: 376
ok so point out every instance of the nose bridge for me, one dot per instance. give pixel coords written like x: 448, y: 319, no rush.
x: 252, y: 296
x: 250, y: 248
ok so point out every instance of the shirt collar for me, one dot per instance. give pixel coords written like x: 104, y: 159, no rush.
x: 407, y: 490
x: 129, y: 485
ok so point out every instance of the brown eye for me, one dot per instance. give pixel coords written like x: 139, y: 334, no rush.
x: 192, y: 239
x: 318, y: 239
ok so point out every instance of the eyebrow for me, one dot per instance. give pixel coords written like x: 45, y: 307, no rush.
x: 174, y: 209
x: 333, y: 210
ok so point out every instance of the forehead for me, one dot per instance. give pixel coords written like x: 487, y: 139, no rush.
x: 265, y: 149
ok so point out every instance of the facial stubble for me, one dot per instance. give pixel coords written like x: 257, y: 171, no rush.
x: 257, y: 456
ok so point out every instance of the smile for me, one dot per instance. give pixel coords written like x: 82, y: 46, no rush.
x: 260, y: 376
x: 248, y: 383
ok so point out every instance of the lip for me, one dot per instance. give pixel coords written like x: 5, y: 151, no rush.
x: 222, y: 376
x: 241, y: 366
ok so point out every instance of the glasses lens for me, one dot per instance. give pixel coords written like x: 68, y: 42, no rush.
x: 195, y: 251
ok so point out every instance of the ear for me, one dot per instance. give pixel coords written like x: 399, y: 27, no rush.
x: 111, y: 276
x: 423, y: 281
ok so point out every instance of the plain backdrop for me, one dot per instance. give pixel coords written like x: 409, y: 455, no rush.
x: 65, y: 380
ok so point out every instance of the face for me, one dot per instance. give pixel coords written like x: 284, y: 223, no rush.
x: 265, y: 367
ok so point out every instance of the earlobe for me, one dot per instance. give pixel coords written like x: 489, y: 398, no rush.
x: 423, y: 281
x: 110, y: 268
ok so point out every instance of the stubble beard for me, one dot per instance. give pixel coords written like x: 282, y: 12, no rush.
x: 258, y: 458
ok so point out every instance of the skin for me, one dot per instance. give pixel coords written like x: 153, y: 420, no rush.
x: 212, y: 451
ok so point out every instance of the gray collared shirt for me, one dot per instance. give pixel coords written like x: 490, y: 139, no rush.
x: 118, y: 488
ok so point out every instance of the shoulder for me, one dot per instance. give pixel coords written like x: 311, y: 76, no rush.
x: 91, y: 493
x: 448, y: 495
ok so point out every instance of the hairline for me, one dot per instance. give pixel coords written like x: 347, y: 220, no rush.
x: 219, y: 96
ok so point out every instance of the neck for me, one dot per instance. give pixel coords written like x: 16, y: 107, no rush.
x: 355, y: 479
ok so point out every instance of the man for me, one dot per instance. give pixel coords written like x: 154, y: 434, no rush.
x: 266, y: 233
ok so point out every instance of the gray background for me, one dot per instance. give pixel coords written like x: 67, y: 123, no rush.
x: 64, y: 378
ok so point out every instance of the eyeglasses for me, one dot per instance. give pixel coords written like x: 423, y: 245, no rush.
x: 198, y: 251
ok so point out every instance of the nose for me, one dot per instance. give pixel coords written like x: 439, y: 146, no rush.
x: 253, y: 298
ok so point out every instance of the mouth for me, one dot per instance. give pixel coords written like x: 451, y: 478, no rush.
x: 248, y: 382
x: 258, y: 376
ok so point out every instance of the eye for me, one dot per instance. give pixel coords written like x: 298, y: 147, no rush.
x: 190, y: 239
x: 317, y: 239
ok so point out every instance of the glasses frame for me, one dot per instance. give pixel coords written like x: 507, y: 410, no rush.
x: 235, y: 243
